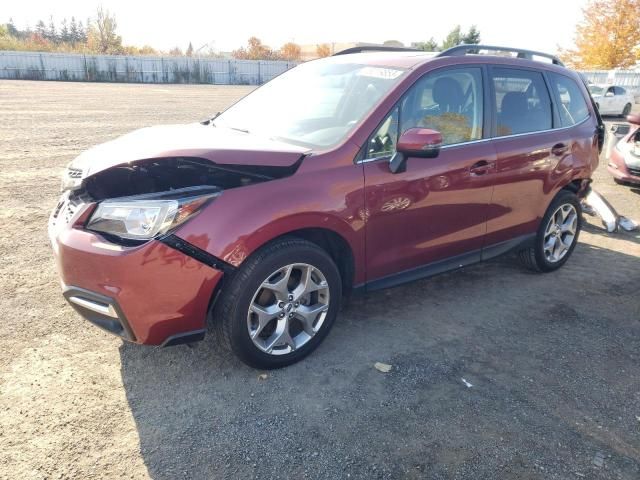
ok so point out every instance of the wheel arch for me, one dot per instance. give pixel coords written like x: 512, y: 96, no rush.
x: 335, y: 245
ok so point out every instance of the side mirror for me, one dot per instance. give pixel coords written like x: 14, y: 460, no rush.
x: 633, y: 119
x: 609, y: 94
x: 415, y: 142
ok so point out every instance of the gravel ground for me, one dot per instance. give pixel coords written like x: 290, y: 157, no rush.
x: 497, y: 373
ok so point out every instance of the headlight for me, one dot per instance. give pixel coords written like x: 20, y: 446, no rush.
x: 143, y: 217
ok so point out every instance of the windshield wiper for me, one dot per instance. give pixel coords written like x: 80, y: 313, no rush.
x: 210, y: 120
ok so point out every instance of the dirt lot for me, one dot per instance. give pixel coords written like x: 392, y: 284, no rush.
x: 553, y: 360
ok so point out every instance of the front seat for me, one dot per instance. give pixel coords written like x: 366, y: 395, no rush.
x: 448, y: 118
x: 447, y: 93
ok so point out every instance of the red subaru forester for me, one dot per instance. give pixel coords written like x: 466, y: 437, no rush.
x: 356, y: 172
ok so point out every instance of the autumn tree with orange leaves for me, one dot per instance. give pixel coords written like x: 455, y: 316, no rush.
x: 291, y: 52
x: 255, y: 50
x: 608, y: 36
x: 323, y: 50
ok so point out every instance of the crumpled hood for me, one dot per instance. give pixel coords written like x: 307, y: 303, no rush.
x: 222, y: 146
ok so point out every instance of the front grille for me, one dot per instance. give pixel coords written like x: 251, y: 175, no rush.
x: 74, y: 172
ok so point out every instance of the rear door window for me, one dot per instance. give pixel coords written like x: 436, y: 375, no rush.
x: 572, y: 106
x: 521, y: 100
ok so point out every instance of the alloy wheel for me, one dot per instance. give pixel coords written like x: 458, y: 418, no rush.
x: 560, y: 233
x: 288, y: 309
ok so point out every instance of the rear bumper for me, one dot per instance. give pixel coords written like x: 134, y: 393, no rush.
x: 150, y: 294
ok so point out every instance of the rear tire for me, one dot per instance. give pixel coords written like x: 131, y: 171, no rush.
x: 627, y: 110
x: 557, y: 234
x: 280, y: 304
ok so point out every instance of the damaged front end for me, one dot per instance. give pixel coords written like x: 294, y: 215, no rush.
x: 141, y: 200
x: 624, y: 151
x: 120, y: 264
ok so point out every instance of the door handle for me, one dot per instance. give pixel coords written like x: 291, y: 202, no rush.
x: 559, y: 149
x: 479, y: 168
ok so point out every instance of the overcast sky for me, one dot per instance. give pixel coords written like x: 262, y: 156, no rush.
x: 226, y: 24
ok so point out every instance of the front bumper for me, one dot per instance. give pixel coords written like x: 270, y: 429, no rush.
x: 150, y: 293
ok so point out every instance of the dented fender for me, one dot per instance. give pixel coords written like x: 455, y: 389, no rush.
x: 242, y: 220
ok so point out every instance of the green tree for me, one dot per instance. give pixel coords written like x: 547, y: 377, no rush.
x: 472, y: 37
x: 51, y: 34
x: 74, y: 35
x: 12, y: 30
x: 453, y: 38
x: 41, y: 29
x: 82, y: 32
x: 429, y: 46
x: 64, y: 31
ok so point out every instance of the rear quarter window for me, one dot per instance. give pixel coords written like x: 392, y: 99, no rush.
x: 572, y: 106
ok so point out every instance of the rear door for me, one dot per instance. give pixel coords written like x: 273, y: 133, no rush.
x: 528, y: 149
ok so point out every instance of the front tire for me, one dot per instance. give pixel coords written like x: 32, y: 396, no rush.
x: 280, y: 304
x: 557, y: 234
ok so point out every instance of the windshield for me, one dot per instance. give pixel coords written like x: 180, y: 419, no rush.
x: 595, y: 90
x: 315, y: 104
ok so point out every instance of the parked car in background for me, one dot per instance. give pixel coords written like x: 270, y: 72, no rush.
x: 624, y: 161
x: 357, y: 172
x: 612, y: 99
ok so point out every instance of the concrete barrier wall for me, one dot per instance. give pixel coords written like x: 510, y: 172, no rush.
x: 134, y: 69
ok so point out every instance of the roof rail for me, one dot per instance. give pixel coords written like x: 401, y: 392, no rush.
x: 474, y: 49
x: 375, y: 48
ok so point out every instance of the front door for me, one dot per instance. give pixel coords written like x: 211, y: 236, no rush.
x: 437, y: 208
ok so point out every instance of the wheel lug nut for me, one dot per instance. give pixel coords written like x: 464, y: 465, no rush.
x: 297, y: 304
x: 281, y: 314
x: 290, y: 297
x: 280, y: 304
x: 291, y: 315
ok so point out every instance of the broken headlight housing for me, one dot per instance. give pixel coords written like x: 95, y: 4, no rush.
x: 143, y: 217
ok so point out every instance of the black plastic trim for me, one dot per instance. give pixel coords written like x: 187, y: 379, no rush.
x: 461, y: 50
x: 375, y: 48
x: 424, y: 271
x: 186, y: 337
x: 119, y: 326
x: 196, y: 253
x: 446, y: 265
